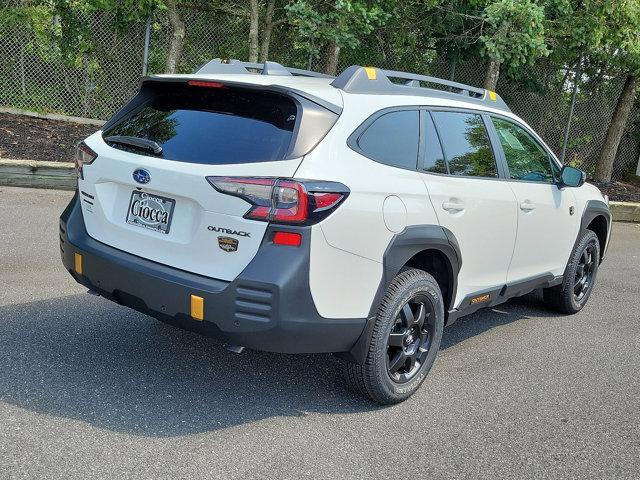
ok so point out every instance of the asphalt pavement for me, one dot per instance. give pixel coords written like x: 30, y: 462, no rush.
x: 90, y: 389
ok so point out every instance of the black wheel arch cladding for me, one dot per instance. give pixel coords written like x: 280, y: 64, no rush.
x: 403, y: 247
x: 414, y: 240
x: 593, y: 210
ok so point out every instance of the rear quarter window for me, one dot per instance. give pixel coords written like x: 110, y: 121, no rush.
x: 392, y: 139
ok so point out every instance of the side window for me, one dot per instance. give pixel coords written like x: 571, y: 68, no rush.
x: 433, y: 156
x: 526, y: 158
x: 466, y: 144
x: 392, y: 139
x: 555, y: 169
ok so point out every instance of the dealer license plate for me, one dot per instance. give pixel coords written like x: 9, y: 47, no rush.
x: 149, y: 211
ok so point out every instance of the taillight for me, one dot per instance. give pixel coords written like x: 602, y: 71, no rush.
x: 84, y: 156
x: 281, y: 200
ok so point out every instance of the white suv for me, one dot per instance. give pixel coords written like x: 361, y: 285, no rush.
x: 289, y: 211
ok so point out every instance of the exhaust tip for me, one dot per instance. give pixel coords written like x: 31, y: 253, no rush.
x: 235, y: 348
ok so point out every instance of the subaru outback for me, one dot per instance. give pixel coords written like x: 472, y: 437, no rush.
x: 288, y: 211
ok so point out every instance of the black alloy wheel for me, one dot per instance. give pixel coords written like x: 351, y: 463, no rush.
x: 584, y: 272
x: 579, y: 277
x: 410, y: 339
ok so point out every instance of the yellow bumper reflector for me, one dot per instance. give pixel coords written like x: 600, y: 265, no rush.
x: 197, y: 307
x: 492, y: 95
x: 371, y: 73
x: 78, y: 262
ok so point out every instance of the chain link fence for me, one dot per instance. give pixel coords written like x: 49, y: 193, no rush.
x: 104, y: 73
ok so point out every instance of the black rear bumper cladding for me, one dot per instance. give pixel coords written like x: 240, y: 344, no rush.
x: 267, y: 307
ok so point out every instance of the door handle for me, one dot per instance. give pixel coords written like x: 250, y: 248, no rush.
x: 527, y: 206
x: 453, y: 207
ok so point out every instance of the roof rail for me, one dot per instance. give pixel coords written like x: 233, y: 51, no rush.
x: 233, y: 66
x: 357, y: 79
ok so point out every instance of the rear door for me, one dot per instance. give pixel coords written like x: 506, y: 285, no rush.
x: 547, y: 224
x: 470, y: 199
x: 160, y: 206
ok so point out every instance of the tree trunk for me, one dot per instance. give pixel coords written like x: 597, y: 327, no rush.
x: 177, y: 37
x: 266, y: 33
x: 492, y: 75
x: 254, y: 24
x: 331, y: 59
x: 604, y: 167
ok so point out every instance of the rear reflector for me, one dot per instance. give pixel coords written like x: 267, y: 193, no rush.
x: 287, y: 238
x: 78, y: 263
x: 197, y: 307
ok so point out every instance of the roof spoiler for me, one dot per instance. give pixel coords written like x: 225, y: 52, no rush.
x: 146, y: 92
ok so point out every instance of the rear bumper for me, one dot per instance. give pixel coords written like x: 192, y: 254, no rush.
x: 268, y: 307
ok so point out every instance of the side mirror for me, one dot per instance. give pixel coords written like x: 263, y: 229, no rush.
x: 571, y: 177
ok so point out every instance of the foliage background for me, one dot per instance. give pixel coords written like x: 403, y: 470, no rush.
x: 85, y: 58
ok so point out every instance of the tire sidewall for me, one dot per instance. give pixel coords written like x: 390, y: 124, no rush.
x: 587, y: 239
x: 426, y: 285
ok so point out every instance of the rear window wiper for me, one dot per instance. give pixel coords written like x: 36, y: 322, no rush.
x: 141, y: 143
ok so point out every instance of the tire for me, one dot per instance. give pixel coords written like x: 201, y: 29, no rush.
x: 580, y: 276
x: 404, y: 343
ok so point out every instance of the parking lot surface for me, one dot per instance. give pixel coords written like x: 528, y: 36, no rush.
x: 89, y: 389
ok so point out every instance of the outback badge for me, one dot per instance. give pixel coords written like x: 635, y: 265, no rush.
x: 228, y: 244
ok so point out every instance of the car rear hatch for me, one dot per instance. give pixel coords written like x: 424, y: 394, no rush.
x: 146, y: 192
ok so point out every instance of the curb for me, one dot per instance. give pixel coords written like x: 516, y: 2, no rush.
x: 62, y: 176
x: 625, y: 211
x: 38, y: 174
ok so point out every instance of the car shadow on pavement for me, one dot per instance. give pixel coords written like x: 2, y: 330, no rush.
x: 479, y: 322
x: 84, y: 358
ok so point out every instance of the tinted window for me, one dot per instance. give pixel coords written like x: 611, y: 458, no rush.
x: 526, y: 158
x: 434, y: 158
x: 213, y: 125
x: 555, y: 169
x: 466, y: 144
x: 393, y: 139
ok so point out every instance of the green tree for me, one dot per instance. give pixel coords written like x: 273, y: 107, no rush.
x: 619, y: 55
x: 514, y: 35
x: 73, y: 36
x: 32, y: 30
x: 599, y: 40
x: 334, y: 25
x: 509, y: 34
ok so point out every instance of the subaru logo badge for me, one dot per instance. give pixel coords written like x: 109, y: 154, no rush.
x: 140, y: 175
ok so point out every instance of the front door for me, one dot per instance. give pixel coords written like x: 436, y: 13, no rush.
x: 547, y: 223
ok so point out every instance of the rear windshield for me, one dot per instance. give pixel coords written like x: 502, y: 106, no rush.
x: 212, y: 125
